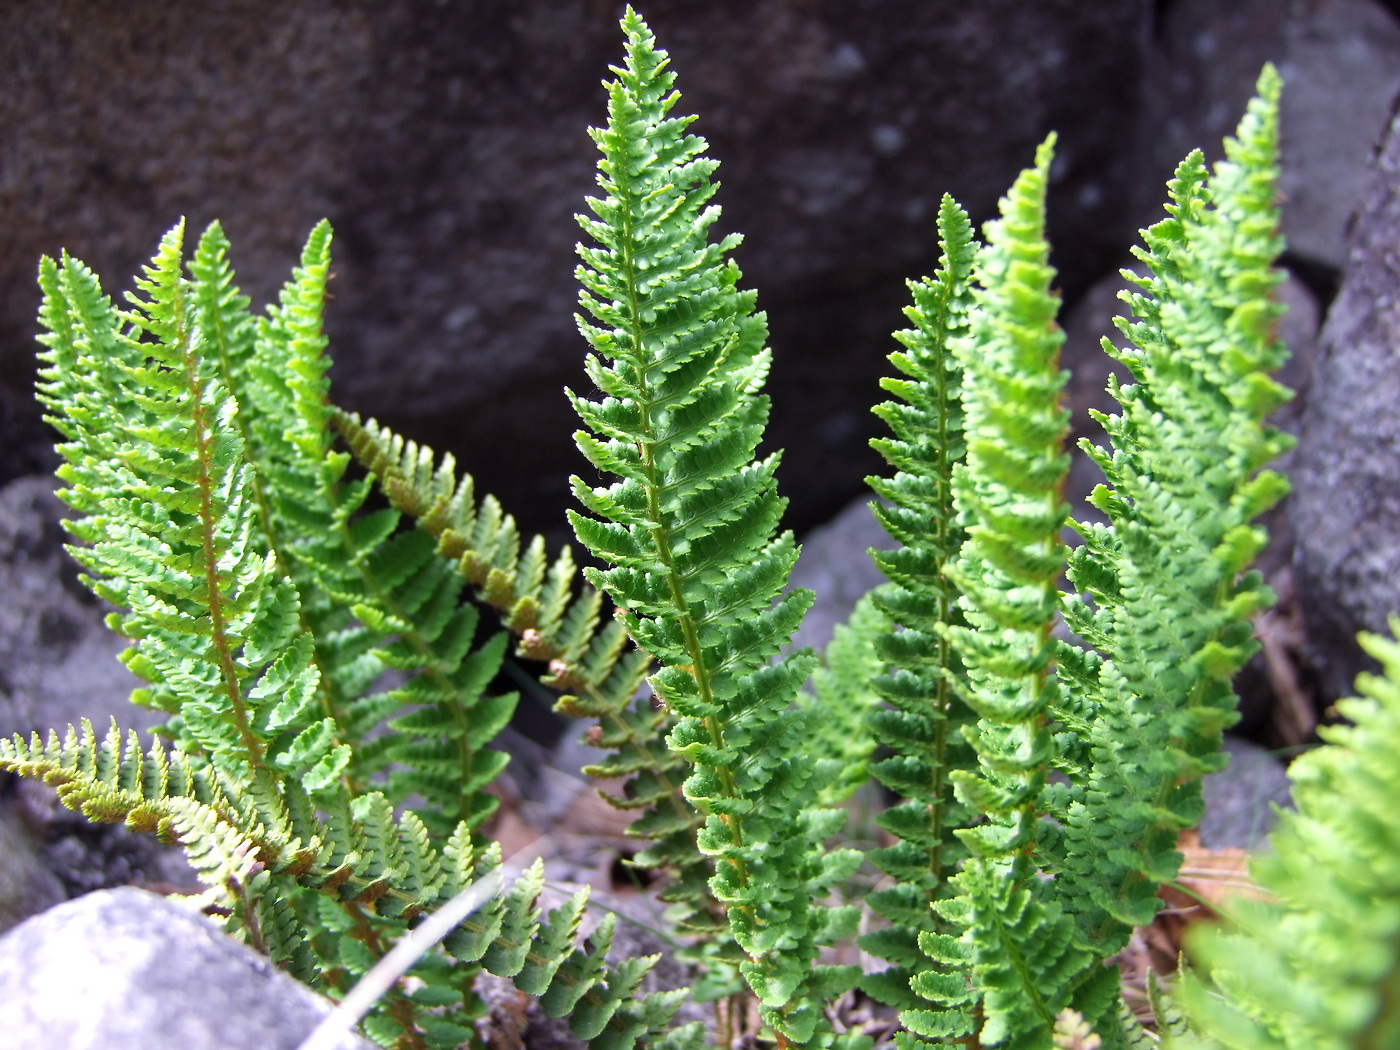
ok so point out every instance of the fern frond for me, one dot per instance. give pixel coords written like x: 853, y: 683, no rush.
x: 556, y: 618
x: 843, y: 699
x: 1009, y: 492
x: 1016, y: 941
x: 921, y: 727
x: 275, y: 367
x: 113, y: 780
x: 205, y: 525
x: 375, y: 873
x: 370, y: 599
x: 159, y: 474
x: 1026, y: 962
x: 538, y: 604
x: 1171, y: 595
x: 689, y: 529
x: 1319, y: 966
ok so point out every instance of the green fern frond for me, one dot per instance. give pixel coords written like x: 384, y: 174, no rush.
x: 1319, y: 966
x: 921, y: 727
x: 1016, y: 942
x: 370, y: 599
x: 376, y: 873
x: 689, y: 530
x: 1167, y: 577
x: 556, y: 618
x: 159, y: 474
x: 1008, y: 491
x: 1024, y: 958
x: 843, y: 699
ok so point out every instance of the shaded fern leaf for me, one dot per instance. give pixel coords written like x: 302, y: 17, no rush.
x: 843, y: 699
x: 690, y: 531
x: 921, y: 726
x: 1171, y: 595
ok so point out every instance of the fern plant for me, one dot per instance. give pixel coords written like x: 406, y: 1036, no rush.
x: 263, y: 607
x: 326, y: 758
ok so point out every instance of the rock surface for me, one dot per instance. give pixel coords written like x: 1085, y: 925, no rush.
x: 128, y: 970
x: 1241, y: 799
x: 447, y: 144
x: 1346, y: 505
x: 57, y: 659
x: 1340, y: 61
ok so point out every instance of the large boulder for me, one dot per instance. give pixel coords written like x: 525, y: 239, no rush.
x: 1346, y: 504
x: 1340, y: 61
x: 128, y: 970
x: 446, y: 143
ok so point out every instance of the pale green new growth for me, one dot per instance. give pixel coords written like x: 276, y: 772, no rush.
x: 1319, y: 966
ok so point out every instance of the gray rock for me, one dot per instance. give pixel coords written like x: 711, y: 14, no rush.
x: 1340, y: 61
x: 1346, y: 503
x: 1241, y: 799
x: 835, y: 563
x: 27, y: 886
x: 57, y: 659
x: 128, y: 970
x: 447, y: 144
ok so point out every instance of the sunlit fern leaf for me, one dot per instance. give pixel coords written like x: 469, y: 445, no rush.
x: 1171, y: 598
x: 1015, y: 943
x: 690, y: 528
x: 843, y: 699
x: 159, y: 475
x: 918, y: 668
x: 370, y: 599
x: 1008, y: 492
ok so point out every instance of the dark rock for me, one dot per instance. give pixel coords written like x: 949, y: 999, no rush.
x: 1340, y: 61
x: 1346, y: 505
x: 1241, y: 799
x: 128, y: 970
x: 27, y: 886
x: 446, y: 143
